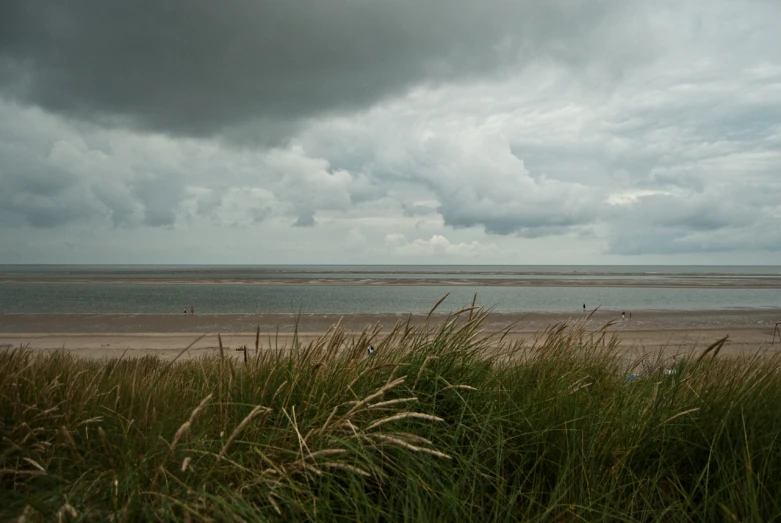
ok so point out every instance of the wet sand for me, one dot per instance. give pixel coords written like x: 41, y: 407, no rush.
x: 111, y: 335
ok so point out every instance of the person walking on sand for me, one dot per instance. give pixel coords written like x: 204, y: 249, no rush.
x: 584, y: 308
x: 623, y: 316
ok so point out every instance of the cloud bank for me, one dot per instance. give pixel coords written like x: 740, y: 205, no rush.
x: 438, y: 132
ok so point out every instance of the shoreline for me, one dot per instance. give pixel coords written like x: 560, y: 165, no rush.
x: 165, y: 335
x: 208, y: 322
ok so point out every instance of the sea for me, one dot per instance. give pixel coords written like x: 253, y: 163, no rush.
x: 389, y: 289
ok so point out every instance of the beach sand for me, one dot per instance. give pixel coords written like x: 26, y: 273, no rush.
x: 165, y: 335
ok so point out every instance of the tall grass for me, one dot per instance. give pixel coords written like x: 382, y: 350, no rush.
x: 442, y: 423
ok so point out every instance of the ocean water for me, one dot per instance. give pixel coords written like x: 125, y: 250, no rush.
x: 197, y: 273
x: 256, y: 289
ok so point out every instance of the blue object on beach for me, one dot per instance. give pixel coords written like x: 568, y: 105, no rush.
x: 632, y: 377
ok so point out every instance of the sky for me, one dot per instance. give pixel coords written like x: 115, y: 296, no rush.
x: 390, y: 132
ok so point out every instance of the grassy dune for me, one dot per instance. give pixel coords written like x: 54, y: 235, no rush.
x: 437, y: 425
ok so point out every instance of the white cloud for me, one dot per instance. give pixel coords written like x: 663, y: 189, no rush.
x: 435, y: 246
x: 629, y: 197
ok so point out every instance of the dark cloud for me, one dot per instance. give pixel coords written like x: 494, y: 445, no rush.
x: 34, y: 191
x: 524, y: 219
x: 721, y: 219
x: 259, y: 214
x: 122, y: 208
x: 305, y: 219
x: 418, y: 209
x: 42, y: 212
x: 209, y: 203
x: 160, y: 196
x: 41, y: 197
x: 250, y: 69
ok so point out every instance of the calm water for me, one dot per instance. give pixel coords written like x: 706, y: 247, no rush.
x: 271, y: 272
x: 22, y: 291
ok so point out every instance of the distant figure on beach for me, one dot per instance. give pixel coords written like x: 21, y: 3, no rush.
x: 370, y: 350
x: 623, y: 316
x: 192, y: 309
x: 185, y: 310
x: 630, y: 316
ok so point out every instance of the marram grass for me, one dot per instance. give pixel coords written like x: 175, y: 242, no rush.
x: 443, y: 423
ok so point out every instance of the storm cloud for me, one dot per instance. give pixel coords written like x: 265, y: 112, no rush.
x: 349, y: 131
x: 253, y: 69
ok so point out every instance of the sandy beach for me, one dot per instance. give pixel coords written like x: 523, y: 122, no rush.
x: 110, y: 335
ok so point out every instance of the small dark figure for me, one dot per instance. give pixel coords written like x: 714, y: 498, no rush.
x: 185, y: 311
x: 630, y: 316
x: 192, y: 309
x: 370, y: 350
x: 623, y: 316
x: 584, y: 307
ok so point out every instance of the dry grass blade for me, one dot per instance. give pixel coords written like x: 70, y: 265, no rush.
x: 67, y: 508
x: 328, y: 421
x: 685, y: 412
x: 96, y: 419
x: 279, y: 389
x: 246, y: 421
x: 185, y: 428
x: 459, y: 312
x: 367, y: 371
x: 437, y: 304
x: 274, y: 504
x: 423, y: 365
x: 385, y: 388
x: 464, y: 387
x: 384, y: 404
x: 294, y: 422
x: 414, y: 448
x: 310, y: 468
x: 326, y: 452
x: 69, y: 439
x: 14, y: 472
x: 403, y: 415
x: 409, y: 437
x: 34, y: 464
x: 349, y: 468
x: 715, y: 346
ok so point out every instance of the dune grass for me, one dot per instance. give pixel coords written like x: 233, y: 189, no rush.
x: 443, y: 423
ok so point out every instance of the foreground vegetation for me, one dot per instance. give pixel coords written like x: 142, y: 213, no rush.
x: 434, y: 426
